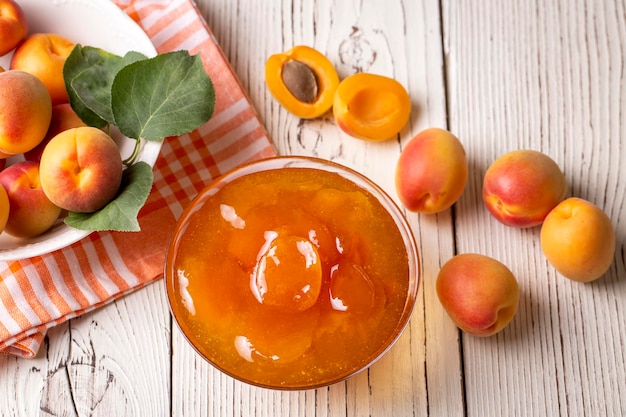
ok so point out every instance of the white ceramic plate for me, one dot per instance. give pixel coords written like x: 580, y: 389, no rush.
x: 98, y: 23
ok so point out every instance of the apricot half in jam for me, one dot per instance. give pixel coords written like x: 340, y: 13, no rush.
x: 288, y: 273
x: 302, y: 80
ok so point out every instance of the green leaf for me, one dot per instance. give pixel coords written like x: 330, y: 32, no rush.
x: 168, y: 95
x: 88, y: 74
x: 121, y: 213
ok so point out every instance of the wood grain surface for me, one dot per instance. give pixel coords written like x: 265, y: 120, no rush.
x: 501, y: 75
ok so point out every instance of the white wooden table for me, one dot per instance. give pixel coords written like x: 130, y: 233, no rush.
x: 501, y: 75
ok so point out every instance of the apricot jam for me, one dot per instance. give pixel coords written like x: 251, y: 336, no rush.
x: 289, y: 278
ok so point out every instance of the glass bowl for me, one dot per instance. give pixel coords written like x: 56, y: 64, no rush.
x: 292, y: 273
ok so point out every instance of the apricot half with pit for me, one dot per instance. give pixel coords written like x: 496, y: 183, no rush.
x: 302, y: 80
x: 371, y: 106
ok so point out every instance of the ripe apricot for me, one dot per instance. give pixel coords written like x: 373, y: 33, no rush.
x: 302, y: 80
x: 521, y: 187
x: 4, y: 208
x: 431, y: 172
x: 13, y: 26
x: 43, y: 55
x: 479, y: 293
x: 31, y: 212
x: 25, y: 112
x: 371, y: 107
x: 81, y: 169
x: 578, y: 240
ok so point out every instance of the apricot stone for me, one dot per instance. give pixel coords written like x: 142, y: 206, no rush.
x: 578, y: 239
x: 521, y: 187
x: 479, y: 293
x: 25, y: 112
x: 81, y: 169
x: 431, y: 172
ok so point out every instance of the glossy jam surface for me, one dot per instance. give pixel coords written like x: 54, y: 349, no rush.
x: 289, y: 278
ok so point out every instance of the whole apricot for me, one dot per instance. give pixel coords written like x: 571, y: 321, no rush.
x: 81, y: 169
x: 31, y: 213
x: 431, y: 172
x: 521, y: 187
x: 479, y: 293
x: 13, y: 25
x: 578, y: 240
x: 25, y: 112
x: 371, y: 106
x: 43, y: 55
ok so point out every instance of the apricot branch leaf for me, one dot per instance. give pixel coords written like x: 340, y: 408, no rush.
x: 88, y: 74
x: 167, y: 95
x: 146, y: 99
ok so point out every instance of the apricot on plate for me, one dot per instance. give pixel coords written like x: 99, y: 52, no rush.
x: 371, y: 107
x: 63, y: 118
x: 4, y: 208
x: 13, y: 26
x: 521, y: 187
x: 31, y: 213
x: 43, y: 55
x: 578, y: 239
x: 302, y: 80
x: 479, y: 293
x: 81, y: 169
x: 431, y: 172
x: 25, y: 112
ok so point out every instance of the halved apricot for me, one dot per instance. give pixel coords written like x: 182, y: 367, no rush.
x: 302, y: 80
x: 371, y: 107
x: 288, y: 274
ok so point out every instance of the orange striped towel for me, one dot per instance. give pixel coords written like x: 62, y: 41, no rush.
x: 41, y: 292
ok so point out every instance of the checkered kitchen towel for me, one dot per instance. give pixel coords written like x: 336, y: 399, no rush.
x: 44, y: 291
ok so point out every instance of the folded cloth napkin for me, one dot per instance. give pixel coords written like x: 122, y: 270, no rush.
x: 44, y: 291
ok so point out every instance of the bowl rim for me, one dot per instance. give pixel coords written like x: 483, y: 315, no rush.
x: 278, y: 162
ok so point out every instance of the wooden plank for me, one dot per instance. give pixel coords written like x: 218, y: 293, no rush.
x: 113, y: 361
x: 118, y: 361
x: 546, y: 76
